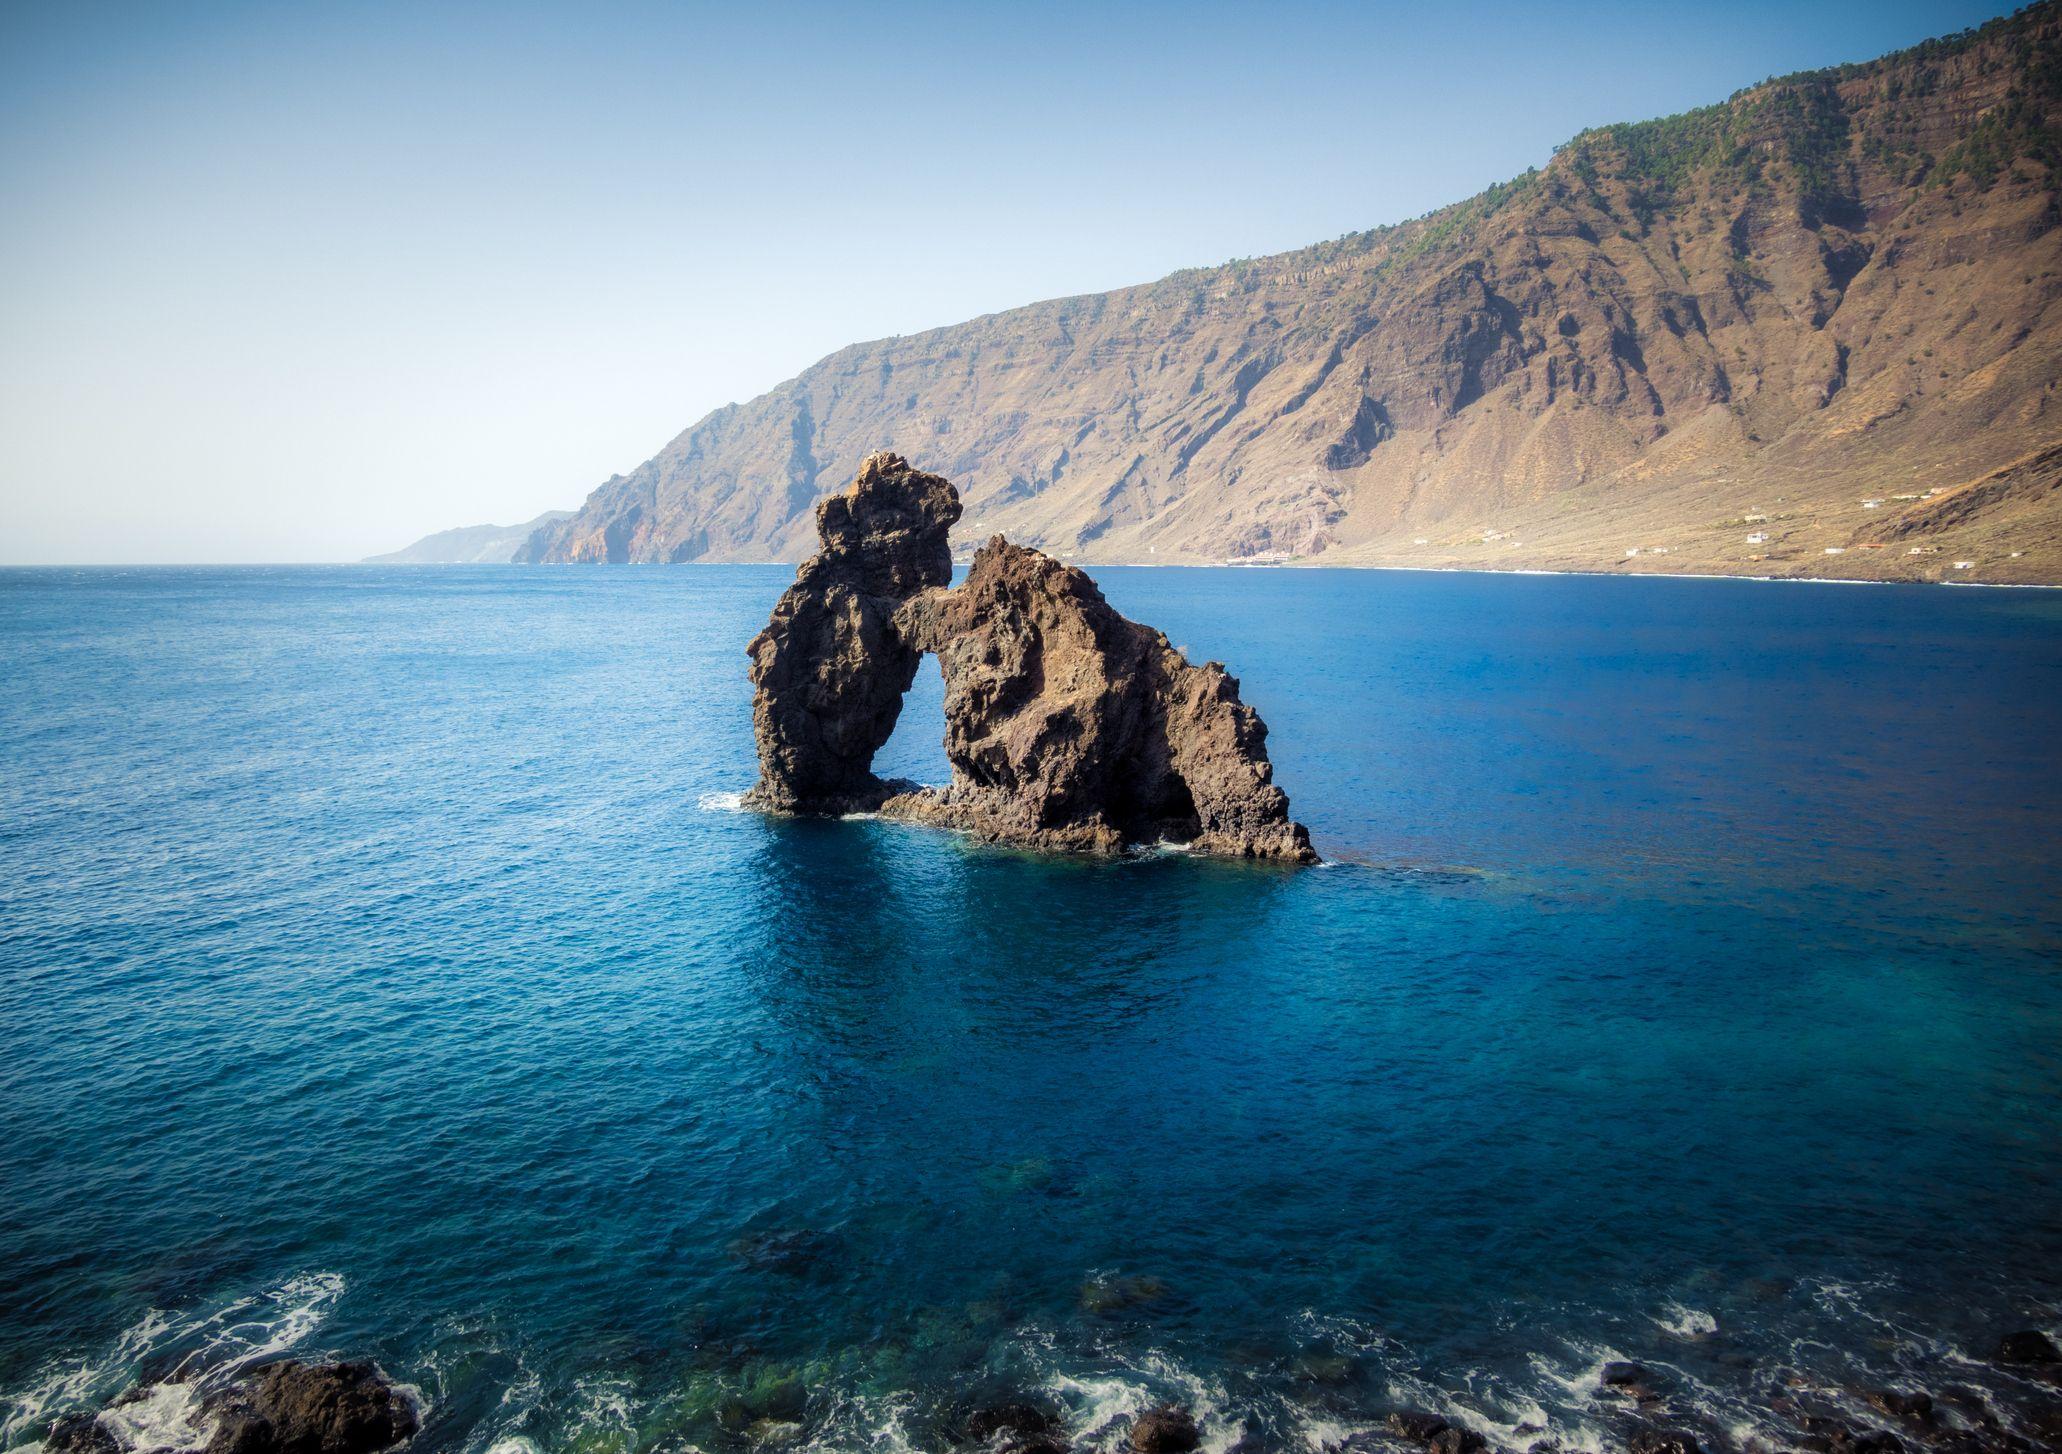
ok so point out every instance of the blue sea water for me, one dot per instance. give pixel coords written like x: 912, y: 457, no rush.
x: 386, y: 970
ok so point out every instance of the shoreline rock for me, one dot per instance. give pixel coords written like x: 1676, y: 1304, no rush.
x: 1165, y: 1430
x: 303, y: 1408
x: 2028, y: 1348
x: 285, y: 1407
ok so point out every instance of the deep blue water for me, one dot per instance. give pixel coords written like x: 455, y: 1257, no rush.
x: 385, y: 970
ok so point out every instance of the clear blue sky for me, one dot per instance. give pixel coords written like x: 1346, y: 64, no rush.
x: 303, y: 282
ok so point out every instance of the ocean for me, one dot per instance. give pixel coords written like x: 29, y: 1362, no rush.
x: 387, y: 970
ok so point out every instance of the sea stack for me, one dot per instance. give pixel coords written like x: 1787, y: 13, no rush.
x: 830, y: 668
x: 1068, y: 726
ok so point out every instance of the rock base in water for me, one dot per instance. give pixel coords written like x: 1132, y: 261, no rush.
x: 288, y: 1407
x: 1068, y: 727
x: 304, y: 1408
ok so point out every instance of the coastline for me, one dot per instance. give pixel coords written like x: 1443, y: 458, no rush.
x: 1301, y: 564
x: 26, y: 567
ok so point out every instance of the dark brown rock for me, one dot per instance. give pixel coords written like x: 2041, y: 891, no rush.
x: 302, y: 1408
x: 80, y: 1433
x: 1660, y: 1439
x: 1439, y: 1435
x: 1068, y: 727
x: 1822, y: 1435
x: 2029, y: 1347
x: 1416, y: 1425
x: 1165, y: 1431
x: 1915, y: 1409
x: 1008, y: 1423
x: 1453, y: 1439
x: 1630, y: 1380
x: 829, y: 669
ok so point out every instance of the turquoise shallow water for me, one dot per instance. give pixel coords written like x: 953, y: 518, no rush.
x: 385, y: 969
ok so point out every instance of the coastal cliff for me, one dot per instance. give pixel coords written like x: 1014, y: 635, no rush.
x: 1812, y: 330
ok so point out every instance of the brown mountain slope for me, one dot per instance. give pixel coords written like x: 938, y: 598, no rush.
x: 1835, y: 287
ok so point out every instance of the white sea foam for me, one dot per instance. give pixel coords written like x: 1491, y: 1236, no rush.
x: 1166, y: 846
x: 216, y: 1343
x: 514, y: 1444
x: 878, y: 1422
x: 721, y: 802
x: 64, y: 1386
x: 163, y: 1416
x: 603, y: 1404
x: 1685, y: 1322
x: 1318, y: 1432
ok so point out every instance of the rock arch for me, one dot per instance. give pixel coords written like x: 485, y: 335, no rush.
x: 1067, y: 726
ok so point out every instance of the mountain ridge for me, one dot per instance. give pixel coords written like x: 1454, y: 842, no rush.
x: 1736, y: 340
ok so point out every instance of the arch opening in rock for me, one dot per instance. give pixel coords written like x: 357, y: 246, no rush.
x: 915, y: 750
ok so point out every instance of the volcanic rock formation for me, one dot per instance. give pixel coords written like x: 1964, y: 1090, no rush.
x: 287, y: 1407
x: 299, y: 1408
x: 1067, y: 726
x: 830, y: 668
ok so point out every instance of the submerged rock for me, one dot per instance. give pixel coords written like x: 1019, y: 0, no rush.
x: 1915, y: 1409
x: 986, y: 1423
x: 302, y: 1408
x: 1013, y: 1428
x: 1660, y: 1439
x: 1830, y: 1436
x: 1440, y: 1435
x: 1416, y: 1425
x: 80, y: 1433
x: 1165, y: 1431
x: 801, y: 1252
x: 1067, y: 726
x: 1630, y: 1380
x: 1104, y: 1293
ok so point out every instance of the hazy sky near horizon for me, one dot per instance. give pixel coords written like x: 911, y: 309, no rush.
x: 301, y: 282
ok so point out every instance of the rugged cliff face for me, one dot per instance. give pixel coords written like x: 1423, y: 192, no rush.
x: 1708, y: 340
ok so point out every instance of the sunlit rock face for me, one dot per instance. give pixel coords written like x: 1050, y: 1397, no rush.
x: 1068, y: 726
x: 829, y: 667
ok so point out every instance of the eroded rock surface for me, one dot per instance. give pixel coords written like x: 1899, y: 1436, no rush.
x: 302, y: 1408
x: 1067, y: 726
x: 1071, y: 727
x: 829, y: 667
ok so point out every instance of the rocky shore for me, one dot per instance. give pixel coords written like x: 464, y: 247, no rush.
x: 1816, y: 1420
x: 294, y: 1407
x: 1068, y: 727
x: 287, y: 1407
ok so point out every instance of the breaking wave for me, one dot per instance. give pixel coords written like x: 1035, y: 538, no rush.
x: 1329, y: 1381
x: 173, y: 1362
